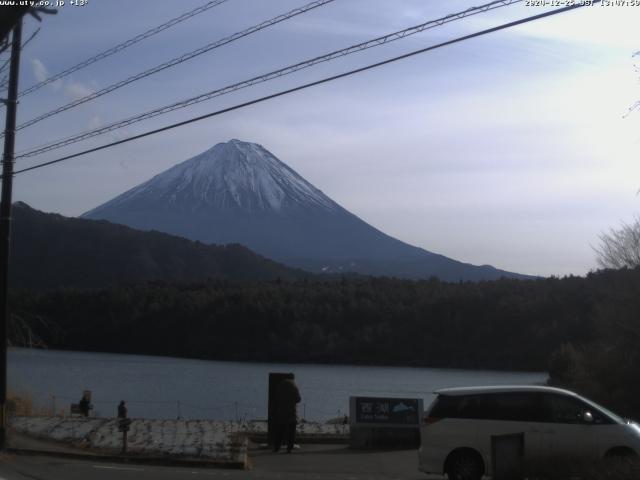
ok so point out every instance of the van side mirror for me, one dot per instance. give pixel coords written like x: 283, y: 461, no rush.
x: 587, y: 417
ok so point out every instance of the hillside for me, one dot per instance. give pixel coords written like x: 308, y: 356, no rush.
x: 52, y: 251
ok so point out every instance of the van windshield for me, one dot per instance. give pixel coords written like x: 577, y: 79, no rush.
x: 603, y: 410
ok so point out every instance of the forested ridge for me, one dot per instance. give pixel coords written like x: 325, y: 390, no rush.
x: 507, y: 324
x: 583, y: 330
x: 51, y: 251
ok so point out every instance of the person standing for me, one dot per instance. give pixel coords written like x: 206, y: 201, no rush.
x: 122, y: 410
x: 85, y: 404
x: 287, y: 399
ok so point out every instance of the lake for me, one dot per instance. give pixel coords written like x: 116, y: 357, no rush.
x: 164, y: 387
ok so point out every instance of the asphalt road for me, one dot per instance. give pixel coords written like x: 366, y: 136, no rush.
x: 313, y: 462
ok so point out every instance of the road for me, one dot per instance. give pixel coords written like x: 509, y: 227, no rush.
x: 313, y: 462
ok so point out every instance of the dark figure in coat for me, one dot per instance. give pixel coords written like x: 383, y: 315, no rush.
x: 122, y: 410
x: 85, y: 405
x: 287, y: 398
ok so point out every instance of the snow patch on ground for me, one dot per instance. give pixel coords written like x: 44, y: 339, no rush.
x: 209, y: 439
x: 305, y: 429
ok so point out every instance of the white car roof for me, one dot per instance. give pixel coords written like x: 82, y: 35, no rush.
x: 455, y: 391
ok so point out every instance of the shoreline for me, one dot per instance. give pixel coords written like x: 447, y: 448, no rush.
x: 278, y: 363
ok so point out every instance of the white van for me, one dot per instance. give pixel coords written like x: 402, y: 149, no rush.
x: 462, y: 424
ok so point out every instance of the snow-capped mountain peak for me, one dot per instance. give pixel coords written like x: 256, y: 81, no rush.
x: 231, y: 175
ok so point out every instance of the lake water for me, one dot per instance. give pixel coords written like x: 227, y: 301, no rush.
x: 163, y: 387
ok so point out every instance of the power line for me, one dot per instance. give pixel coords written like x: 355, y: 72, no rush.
x: 270, y: 76
x: 308, y: 85
x: 5, y: 80
x: 123, y: 45
x: 178, y: 60
x: 632, y: 108
x: 4, y: 44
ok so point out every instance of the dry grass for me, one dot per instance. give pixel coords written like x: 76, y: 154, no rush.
x: 20, y: 404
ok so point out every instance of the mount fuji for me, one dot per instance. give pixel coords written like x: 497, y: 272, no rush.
x: 239, y: 192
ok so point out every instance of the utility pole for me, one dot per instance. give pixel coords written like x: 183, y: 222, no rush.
x: 5, y: 219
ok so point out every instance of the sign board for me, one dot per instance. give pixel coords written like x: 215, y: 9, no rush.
x: 385, y: 412
x: 123, y: 424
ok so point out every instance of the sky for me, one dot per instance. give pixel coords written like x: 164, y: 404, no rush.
x: 513, y: 149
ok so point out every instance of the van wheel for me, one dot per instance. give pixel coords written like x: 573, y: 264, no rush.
x: 621, y: 455
x: 464, y: 466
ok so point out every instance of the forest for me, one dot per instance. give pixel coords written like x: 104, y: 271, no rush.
x: 583, y: 330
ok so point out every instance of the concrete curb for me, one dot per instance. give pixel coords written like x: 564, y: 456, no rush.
x: 135, y: 459
x: 304, y: 439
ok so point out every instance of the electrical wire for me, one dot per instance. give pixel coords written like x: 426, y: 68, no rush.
x: 5, y: 44
x: 31, y: 37
x: 632, y: 108
x: 3, y: 67
x: 176, y: 61
x: 635, y: 106
x: 269, y: 76
x: 123, y: 45
x: 311, y: 84
x: 5, y: 80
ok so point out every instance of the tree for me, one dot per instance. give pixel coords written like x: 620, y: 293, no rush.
x: 620, y: 247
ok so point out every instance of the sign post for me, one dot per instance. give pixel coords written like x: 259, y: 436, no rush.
x: 123, y: 426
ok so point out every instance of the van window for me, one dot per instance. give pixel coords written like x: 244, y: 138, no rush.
x: 517, y: 407
x: 565, y: 409
x: 522, y: 407
x: 445, y: 407
x: 458, y: 406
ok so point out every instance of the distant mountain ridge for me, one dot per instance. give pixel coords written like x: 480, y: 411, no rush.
x: 52, y: 251
x: 239, y: 192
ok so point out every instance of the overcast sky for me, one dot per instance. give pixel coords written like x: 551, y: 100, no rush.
x: 510, y: 149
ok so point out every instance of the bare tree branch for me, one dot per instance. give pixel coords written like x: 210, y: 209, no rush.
x: 620, y: 247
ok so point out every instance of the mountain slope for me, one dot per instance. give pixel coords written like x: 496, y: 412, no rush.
x: 240, y: 192
x: 51, y: 251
